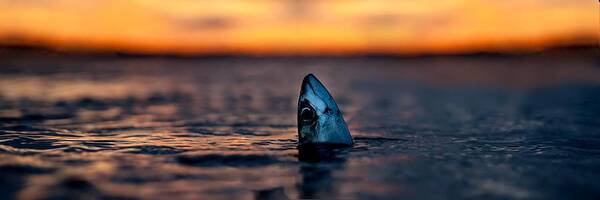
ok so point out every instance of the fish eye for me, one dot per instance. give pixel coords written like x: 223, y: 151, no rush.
x: 307, y: 114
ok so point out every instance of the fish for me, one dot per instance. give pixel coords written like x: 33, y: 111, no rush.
x: 320, y: 121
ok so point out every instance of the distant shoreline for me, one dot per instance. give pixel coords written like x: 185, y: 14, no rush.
x: 10, y: 50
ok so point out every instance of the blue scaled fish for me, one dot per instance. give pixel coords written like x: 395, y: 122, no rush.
x: 319, y: 118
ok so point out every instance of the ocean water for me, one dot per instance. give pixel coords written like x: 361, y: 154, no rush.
x: 458, y: 127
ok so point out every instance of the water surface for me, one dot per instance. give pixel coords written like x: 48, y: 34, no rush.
x: 493, y: 127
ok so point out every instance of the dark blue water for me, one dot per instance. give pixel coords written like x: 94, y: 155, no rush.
x: 486, y: 127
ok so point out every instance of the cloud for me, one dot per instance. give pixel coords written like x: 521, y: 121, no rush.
x: 203, y: 23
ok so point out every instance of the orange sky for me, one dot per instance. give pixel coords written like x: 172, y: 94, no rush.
x: 299, y: 26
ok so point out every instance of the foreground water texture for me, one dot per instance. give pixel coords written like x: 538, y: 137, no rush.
x: 462, y: 127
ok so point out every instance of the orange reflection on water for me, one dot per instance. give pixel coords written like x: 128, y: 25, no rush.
x: 283, y: 27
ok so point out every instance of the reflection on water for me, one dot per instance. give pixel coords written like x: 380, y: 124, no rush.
x: 320, y: 162
x: 522, y: 127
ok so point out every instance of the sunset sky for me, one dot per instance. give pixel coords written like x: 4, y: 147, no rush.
x: 299, y: 26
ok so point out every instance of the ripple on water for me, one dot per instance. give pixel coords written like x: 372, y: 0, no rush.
x: 152, y: 150
x: 218, y: 160
x: 12, y: 176
x: 82, y: 149
x: 251, y: 132
x: 22, y: 128
x: 23, y: 142
x: 204, y: 131
x: 11, y: 131
x: 23, y: 169
x: 365, y: 143
x: 63, y: 187
x: 104, y: 144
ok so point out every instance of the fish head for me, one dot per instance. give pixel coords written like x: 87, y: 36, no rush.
x: 319, y: 118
